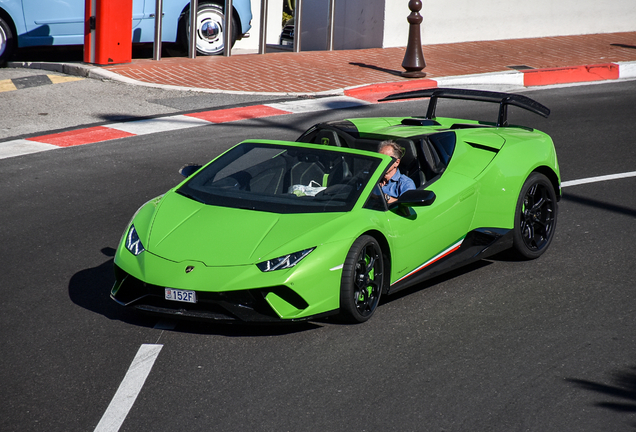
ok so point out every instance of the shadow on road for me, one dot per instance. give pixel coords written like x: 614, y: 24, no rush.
x: 623, y: 388
x: 436, y: 280
x: 600, y: 204
x: 90, y: 289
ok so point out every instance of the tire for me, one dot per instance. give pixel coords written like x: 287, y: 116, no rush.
x: 535, y: 217
x: 210, y: 30
x: 362, y: 280
x: 7, y: 41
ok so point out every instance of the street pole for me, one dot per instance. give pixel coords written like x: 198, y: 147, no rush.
x: 227, y: 34
x: 156, y: 48
x: 414, y: 57
x: 330, y: 27
x: 262, y: 41
x: 297, y: 25
x: 192, y: 48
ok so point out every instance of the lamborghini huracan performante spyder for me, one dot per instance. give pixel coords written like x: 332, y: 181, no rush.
x: 274, y: 231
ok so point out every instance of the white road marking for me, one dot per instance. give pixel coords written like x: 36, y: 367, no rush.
x: 598, y: 179
x: 321, y: 104
x: 129, y: 388
x: 160, y: 124
x: 21, y: 147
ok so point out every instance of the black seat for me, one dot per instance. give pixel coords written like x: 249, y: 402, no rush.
x: 431, y: 164
x: 409, y: 164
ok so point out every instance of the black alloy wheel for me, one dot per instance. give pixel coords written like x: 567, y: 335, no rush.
x: 362, y: 280
x: 535, y: 217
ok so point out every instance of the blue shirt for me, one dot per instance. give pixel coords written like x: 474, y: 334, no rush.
x: 398, y: 184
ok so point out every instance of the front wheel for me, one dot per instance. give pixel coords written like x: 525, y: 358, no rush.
x: 535, y: 217
x: 362, y: 280
x: 7, y: 41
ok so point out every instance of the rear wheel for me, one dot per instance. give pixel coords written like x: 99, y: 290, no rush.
x: 7, y: 41
x: 362, y: 280
x: 535, y: 217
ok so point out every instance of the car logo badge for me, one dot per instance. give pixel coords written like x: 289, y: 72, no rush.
x: 189, y: 269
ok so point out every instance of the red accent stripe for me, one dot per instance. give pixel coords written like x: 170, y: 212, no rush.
x: 374, y: 92
x: 599, y: 72
x: 81, y: 136
x: 234, y: 114
x: 429, y: 263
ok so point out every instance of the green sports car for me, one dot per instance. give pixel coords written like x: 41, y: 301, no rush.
x: 276, y: 231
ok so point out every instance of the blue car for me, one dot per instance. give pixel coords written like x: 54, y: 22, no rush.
x: 25, y: 23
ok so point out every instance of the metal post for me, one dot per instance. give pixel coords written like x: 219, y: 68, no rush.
x: 158, y: 17
x: 414, y: 56
x: 331, y: 26
x: 192, y: 48
x: 227, y: 34
x: 262, y: 41
x: 297, y: 25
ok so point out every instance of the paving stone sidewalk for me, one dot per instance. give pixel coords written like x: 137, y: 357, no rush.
x: 324, y: 71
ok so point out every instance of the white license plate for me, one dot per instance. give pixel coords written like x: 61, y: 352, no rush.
x: 181, y: 295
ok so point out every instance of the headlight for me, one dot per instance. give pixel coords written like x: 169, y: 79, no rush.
x: 133, y: 244
x: 283, y: 262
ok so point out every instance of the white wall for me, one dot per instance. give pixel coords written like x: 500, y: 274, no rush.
x: 382, y: 23
x: 472, y: 20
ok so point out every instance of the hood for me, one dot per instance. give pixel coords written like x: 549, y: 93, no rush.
x: 186, y: 230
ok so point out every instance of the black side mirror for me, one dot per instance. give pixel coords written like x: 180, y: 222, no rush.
x: 416, y: 197
x: 189, y: 169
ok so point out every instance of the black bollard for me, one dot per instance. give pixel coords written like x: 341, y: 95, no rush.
x: 414, y: 56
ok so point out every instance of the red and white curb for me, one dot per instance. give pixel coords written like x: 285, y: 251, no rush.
x: 170, y: 123
x: 352, y: 97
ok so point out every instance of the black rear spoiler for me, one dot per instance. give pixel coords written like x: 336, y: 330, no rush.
x: 503, y: 99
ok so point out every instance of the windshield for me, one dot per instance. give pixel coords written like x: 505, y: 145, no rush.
x: 282, y: 179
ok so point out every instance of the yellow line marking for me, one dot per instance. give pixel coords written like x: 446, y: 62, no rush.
x: 7, y: 85
x: 57, y: 79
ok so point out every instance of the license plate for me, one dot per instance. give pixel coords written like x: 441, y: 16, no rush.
x: 181, y: 295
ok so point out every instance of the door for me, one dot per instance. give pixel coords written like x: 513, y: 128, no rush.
x: 431, y: 232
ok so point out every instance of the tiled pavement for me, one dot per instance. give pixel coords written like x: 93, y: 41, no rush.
x: 323, y: 71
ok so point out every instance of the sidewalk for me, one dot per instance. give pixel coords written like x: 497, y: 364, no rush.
x: 328, y: 71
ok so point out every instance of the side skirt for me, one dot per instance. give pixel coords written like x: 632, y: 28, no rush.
x: 478, y: 244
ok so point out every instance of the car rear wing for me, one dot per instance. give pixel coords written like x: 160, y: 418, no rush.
x: 503, y: 99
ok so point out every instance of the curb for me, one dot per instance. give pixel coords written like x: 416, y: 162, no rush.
x: 339, y: 99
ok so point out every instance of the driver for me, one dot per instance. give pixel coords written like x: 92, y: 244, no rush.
x: 394, y: 183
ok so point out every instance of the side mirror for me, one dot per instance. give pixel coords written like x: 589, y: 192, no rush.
x: 416, y: 197
x: 189, y: 169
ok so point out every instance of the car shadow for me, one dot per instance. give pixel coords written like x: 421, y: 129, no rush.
x: 436, y: 280
x: 90, y: 289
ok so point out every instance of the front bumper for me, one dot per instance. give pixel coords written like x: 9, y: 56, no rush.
x: 234, y: 293
x: 251, y: 305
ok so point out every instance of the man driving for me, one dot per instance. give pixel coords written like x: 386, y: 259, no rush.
x: 394, y: 183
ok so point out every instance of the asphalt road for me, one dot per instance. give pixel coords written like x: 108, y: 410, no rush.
x: 546, y: 345
x: 44, y: 101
